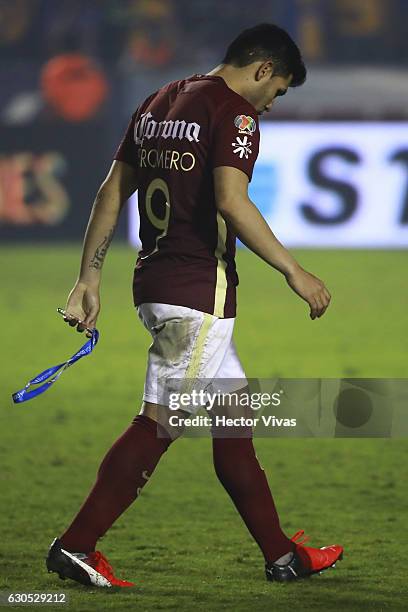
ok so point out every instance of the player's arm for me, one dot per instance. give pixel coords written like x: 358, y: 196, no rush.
x: 234, y: 204
x: 83, y: 301
x: 115, y: 190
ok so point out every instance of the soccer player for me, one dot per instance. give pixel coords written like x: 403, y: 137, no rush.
x: 189, y: 150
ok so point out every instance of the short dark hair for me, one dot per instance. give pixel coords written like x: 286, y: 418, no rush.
x: 268, y: 41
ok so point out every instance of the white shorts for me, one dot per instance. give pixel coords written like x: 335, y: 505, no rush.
x: 188, y: 344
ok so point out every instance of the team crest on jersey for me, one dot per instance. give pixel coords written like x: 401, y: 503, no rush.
x: 242, y: 147
x: 245, y: 124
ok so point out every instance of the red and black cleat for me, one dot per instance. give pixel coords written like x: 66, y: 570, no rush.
x: 92, y: 569
x: 306, y: 561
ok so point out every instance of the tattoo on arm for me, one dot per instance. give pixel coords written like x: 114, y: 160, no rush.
x: 99, y: 255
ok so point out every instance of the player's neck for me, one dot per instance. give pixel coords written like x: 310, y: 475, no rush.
x: 234, y: 79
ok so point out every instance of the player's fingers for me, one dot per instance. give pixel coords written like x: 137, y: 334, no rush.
x: 326, y: 305
x: 90, y: 322
x: 323, y: 300
x: 323, y: 311
x: 90, y: 319
x: 71, y: 321
x: 327, y: 294
x: 318, y: 307
x: 313, y: 308
x: 321, y: 305
x: 74, y: 321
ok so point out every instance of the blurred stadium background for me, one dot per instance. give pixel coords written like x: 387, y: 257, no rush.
x: 331, y: 176
x: 334, y: 158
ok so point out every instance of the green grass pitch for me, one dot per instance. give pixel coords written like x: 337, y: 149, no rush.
x: 182, y: 542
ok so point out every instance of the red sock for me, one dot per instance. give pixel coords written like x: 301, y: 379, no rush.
x: 238, y: 470
x: 124, y: 471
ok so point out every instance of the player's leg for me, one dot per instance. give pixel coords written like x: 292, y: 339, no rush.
x: 131, y: 460
x: 240, y: 473
x: 213, y: 356
x: 124, y: 471
x: 237, y: 466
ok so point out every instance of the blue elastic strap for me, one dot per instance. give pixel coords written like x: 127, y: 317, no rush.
x: 24, y: 394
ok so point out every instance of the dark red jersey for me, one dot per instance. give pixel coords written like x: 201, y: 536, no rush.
x: 175, y: 140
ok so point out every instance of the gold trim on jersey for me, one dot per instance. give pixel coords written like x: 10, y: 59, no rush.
x: 221, y: 283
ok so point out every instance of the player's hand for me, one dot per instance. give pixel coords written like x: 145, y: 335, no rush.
x: 82, y: 307
x: 311, y: 289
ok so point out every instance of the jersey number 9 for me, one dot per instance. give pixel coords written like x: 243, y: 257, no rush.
x: 161, y: 223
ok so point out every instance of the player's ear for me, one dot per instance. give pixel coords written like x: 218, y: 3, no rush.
x: 265, y: 70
